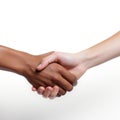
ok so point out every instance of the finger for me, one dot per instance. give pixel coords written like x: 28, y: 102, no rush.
x: 61, y: 92
x: 46, y: 61
x: 36, y: 83
x: 68, y: 76
x: 41, y: 90
x: 51, y: 83
x: 75, y: 83
x: 54, y: 92
x: 62, y: 83
x: 34, y: 89
x: 47, y: 92
x: 39, y: 82
x: 46, y: 81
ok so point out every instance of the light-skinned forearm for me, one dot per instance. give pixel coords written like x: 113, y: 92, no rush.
x: 102, y: 52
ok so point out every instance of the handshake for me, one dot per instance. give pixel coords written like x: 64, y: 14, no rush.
x: 51, y: 74
x: 62, y: 72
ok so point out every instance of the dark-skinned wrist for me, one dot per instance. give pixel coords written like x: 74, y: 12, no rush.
x: 17, y: 61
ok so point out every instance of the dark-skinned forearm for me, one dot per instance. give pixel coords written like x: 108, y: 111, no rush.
x: 14, y: 61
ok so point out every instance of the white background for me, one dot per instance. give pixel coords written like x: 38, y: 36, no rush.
x: 38, y: 26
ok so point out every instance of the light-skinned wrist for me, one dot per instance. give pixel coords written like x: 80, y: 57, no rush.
x: 86, y: 59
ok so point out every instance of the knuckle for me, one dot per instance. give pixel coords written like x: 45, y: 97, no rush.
x: 59, y: 69
x: 56, y: 77
x: 52, y: 52
x: 53, y: 67
x: 55, y: 52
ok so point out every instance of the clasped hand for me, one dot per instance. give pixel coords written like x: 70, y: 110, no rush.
x: 64, y: 76
x: 53, y: 77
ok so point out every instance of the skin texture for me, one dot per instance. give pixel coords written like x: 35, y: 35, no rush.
x: 25, y: 64
x: 79, y: 63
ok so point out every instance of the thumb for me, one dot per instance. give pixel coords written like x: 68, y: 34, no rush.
x: 42, y: 65
x: 46, y: 61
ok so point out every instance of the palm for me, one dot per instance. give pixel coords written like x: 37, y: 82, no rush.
x: 71, y: 63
